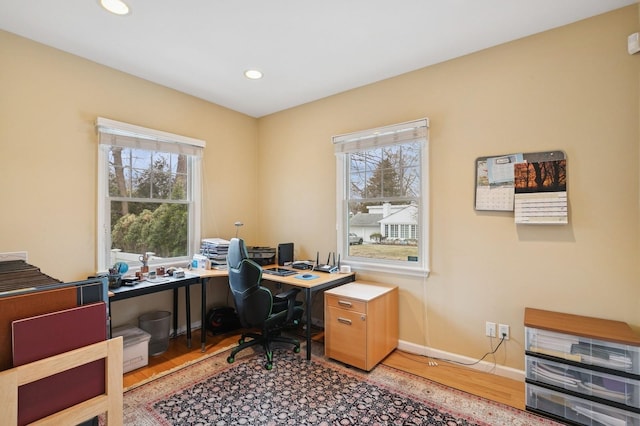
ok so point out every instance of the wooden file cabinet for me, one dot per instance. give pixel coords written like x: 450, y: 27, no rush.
x: 361, y: 323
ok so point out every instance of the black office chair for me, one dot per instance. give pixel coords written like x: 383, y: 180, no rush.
x: 254, y: 305
x: 237, y: 252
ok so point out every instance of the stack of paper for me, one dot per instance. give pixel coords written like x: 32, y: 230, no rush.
x: 215, y: 249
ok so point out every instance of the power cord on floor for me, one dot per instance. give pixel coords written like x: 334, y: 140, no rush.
x: 433, y: 360
x: 478, y: 361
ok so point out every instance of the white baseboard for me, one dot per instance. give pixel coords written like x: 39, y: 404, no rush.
x: 14, y: 255
x: 197, y: 325
x: 484, y: 366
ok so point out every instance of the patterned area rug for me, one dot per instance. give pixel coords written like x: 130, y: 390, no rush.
x: 297, y: 392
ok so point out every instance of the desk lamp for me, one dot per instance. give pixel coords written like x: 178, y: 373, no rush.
x: 238, y: 225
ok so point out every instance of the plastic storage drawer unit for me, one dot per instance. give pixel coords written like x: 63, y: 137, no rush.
x: 136, y: 347
x: 606, y: 354
x: 577, y: 410
x: 582, y: 370
x: 593, y: 383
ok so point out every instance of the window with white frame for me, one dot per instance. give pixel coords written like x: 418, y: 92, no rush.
x: 382, y: 190
x: 149, y: 195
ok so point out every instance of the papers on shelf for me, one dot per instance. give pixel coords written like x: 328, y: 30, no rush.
x: 215, y: 249
x: 600, y: 417
x: 553, y: 341
x: 557, y: 354
x: 571, y: 348
x: 555, y: 376
x: 572, y: 378
x: 562, y: 403
x: 602, y: 392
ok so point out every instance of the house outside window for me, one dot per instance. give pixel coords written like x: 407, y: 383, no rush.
x: 382, y: 197
x: 149, y: 195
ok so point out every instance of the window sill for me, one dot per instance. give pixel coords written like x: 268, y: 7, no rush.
x: 415, y: 271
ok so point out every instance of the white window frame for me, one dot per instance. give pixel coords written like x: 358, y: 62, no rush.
x: 136, y: 136
x: 368, y: 139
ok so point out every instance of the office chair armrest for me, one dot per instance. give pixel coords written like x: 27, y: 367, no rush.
x: 290, y: 296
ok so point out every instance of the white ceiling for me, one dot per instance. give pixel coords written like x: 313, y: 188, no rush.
x: 306, y: 50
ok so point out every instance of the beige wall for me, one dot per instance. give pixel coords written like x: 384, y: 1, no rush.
x: 573, y: 89
x: 49, y: 101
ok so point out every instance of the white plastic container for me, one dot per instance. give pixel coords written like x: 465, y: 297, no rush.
x: 200, y: 262
x: 136, y: 346
x: 158, y: 325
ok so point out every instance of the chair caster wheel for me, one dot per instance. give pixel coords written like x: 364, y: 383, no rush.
x: 230, y: 359
x: 296, y: 350
x: 268, y: 366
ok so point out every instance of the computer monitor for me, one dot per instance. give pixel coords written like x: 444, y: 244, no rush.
x: 285, y: 253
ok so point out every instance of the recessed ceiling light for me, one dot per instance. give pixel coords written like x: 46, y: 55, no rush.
x: 253, y: 74
x: 115, y: 6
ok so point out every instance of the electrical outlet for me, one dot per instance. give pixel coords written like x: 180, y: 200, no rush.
x: 503, y: 330
x: 490, y: 329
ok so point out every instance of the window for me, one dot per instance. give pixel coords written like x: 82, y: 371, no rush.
x: 382, y: 197
x: 149, y: 195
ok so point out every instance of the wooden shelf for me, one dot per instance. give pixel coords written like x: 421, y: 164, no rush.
x: 594, y: 328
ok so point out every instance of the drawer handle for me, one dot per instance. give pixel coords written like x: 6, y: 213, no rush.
x: 344, y: 303
x: 344, y: 320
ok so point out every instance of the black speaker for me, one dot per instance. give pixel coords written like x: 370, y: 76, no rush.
x: 285, y: 253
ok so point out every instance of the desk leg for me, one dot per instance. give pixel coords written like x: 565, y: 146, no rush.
x: 307, y: 296
x: 203, y: 315
x: 175, y: 312
x: 187, y: 296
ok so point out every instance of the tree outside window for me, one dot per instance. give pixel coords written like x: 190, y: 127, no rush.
x: 149, y: 191
x: 148, y: 194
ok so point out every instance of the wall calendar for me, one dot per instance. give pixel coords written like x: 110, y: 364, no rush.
x: 532, y: 185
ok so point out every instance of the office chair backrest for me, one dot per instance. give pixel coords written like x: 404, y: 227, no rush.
x: 253, y: 302
x: 237, y: 251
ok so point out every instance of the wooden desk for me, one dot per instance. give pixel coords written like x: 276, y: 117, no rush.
x: 202, y: 276
x: 309, y: 288
x: 162, y: 284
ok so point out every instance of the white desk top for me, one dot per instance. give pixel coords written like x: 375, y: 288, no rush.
x: 359, y: 290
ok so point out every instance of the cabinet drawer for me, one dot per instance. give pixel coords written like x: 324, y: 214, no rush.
x: 347, y: 303
x: 578, y: 410
x: 614, y: 356
x: 584, y: 381
x: 346, y: 334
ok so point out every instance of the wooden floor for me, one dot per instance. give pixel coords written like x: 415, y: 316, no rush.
x: 490, y: 386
